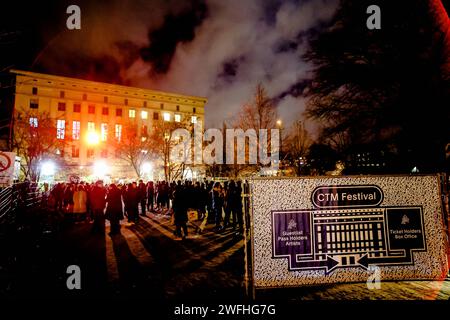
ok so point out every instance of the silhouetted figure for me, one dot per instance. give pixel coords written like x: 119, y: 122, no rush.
x: 180, y: 210
x: 98, y: 201
x: 150, y: 195
x: 114, y: 212
x: 142, y: 196
x: 217, y: 204
x: 133, y: 200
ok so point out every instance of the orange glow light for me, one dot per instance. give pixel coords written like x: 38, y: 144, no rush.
x: 92, y: 138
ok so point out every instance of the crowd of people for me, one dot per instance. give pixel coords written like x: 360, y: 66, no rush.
x: 214, y: 203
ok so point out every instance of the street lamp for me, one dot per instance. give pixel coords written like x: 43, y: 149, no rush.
x: 280, y: 127
x: 47, y: 168
x: 146, y: 167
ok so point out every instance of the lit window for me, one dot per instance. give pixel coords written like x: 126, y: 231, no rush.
x: 34, y: 122
x: 144, y: 115
x: 60, y: 129
x: 118, y: 132
x: 76, y: 130
x: 194, y: 119
x: 91, y: 126
x: 104, y: 131
x: 177, y: 117
x: 166, y: 116
x: 132, y: 113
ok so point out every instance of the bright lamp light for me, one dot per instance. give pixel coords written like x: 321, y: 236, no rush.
x: 100, y: 168
x: 93, y: 138
x: 48, y: 168
x: 147, y: 167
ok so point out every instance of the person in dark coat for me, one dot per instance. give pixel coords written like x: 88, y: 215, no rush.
x: 217, y: 204
x: 114, y: 211
x: 58, y: 194
x: 98, y: 202
x: 133, y: 200
x: 201, y: 199
x: 180, y: 210
x: 150, y: 195
x: 142, y: 196
x: 235, y: 204
x: 126, y: 202
x: 226, y: 205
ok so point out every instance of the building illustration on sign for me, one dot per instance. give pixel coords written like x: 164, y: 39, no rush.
x: 344, y: 231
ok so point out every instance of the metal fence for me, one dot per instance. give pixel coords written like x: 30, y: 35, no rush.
x: 18, y: 200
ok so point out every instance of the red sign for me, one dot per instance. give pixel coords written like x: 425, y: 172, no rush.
x: 5, y: 162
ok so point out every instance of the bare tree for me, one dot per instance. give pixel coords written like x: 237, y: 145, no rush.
x: 34, y: 140
x: 369, y: 91
x: 134, y: 146
x: 298, y: 142
x: 163, y: 140
x: 259, y: 113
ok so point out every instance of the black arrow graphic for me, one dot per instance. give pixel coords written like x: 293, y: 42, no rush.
x: 329, y: 264
x: 364, y: 261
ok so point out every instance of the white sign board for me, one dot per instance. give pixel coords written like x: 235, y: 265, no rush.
x: 7, y: 166
x: 337, y: 229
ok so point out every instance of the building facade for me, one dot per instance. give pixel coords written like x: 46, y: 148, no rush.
x: 85, y: 110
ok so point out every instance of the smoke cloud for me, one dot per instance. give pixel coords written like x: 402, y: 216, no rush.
x: 212, y: 48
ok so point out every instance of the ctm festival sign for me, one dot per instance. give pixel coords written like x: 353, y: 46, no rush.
x: 338, y: 229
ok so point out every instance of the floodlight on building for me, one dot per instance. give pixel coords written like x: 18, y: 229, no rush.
x: 47, y: 168
x: 100, y: 168
x: 92, y: 138
x: 146, y: 167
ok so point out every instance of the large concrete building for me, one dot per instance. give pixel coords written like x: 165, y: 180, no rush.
x: 81, y: 107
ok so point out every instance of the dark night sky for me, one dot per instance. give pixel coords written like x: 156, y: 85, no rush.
x: 213, y: 48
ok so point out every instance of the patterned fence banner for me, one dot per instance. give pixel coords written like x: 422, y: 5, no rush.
x: 335, y: 229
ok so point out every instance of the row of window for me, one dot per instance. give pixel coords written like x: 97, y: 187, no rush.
x: 105, y: 111
x: 105, y: 99
x: 76, y: 129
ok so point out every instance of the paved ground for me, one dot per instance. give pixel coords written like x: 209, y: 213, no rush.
x: 147, y: 262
